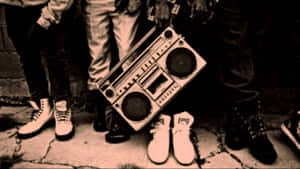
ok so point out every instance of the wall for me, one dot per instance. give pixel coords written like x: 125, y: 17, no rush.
x: 277, y: 74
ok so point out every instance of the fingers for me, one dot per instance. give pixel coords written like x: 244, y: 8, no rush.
x: 162, y: 15
x: 199, y: 9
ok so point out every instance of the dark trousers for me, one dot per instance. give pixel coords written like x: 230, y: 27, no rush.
x: 19, y: 21
x: 235, y: 57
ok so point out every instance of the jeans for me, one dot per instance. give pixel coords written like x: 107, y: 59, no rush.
x: 19, y: 21
x: 235, y: 58
x: 105, y: 26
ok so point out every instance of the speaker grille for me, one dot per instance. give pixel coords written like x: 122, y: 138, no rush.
x: 136, y: 106
x: 181, y: 62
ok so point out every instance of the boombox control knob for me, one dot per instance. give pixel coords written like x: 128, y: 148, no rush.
x: 168, y: 34
x: 109, y: 93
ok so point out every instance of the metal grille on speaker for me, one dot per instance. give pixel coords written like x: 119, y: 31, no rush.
x: 181, y: 62
x: 136, y: 106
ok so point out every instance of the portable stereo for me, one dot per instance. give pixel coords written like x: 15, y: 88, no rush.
x: 152, y: 79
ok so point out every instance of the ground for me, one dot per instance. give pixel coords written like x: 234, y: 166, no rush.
x: 88, y: 149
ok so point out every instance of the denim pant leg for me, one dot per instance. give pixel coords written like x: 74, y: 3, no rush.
x: 57, y: 62
x: 99, y: 35
x: 125, y: 28
x: 235, y: 67
x: 19, y: 20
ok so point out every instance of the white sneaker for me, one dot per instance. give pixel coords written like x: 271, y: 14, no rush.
x: 158, y: 147
x: 39, y: 119
x: 63, y: 124
x: 183, y: 147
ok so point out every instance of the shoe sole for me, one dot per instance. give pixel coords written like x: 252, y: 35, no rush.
x: 65, y: 137
x: 99, y: 129
x: 30, y: 135
x: 183, y: 164
x: 159, y: 163
x: 116, y: 140
x: 286, y: 131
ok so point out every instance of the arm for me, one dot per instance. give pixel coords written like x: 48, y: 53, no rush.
x: 202, y: 10
x: 52, y: 12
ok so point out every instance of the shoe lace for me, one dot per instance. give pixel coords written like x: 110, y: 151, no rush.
x: 157, y: 129
x: 182, y: 131
x: 257, y: 127
x: 63, y: 115
x: 37, y: 113
x: 238, y: 118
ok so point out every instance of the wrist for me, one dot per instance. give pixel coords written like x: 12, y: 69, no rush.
x: 44, y: 23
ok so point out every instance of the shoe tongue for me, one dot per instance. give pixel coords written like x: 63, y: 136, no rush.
x: 61, y: 105
x: 184, y: 122
x: 33, y: 105
x: 164, y: 120
x: 183, y: 119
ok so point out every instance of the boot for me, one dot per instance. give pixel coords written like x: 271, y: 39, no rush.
x: 96, y: 104
x: 39, y: 119
x: 118, y: 128
x: 236, y: 136
x: 64, y: 129
x: 260, y: 146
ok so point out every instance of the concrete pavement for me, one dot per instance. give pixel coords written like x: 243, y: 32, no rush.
x: 88, y: 149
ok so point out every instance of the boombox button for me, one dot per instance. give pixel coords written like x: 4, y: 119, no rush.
x: 168, y: 34
x: 109, y: 93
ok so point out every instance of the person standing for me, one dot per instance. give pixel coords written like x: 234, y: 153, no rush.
x: 32, y: 27
x: 111, y: 27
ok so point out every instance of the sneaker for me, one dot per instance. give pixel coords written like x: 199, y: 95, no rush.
x: 183, y: 147
x: 158, y: 147
x: 291, y: 128
x: 260, y: 146
x: 118, y: 129
x: 64, y: 129
x: 39, y: 118
x: 236, y: 128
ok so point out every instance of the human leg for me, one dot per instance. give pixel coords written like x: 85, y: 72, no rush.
x: 236, y: 73
x: 19, y: 22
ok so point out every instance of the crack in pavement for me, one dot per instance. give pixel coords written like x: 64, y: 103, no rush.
x: 60, y: 164
x: 223, y: 149
x: 48, y: 163
x: 17, y: 152
x: 48, y: 149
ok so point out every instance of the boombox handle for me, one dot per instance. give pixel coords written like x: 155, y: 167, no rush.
x: 123, y: 60
x: 174, y: 12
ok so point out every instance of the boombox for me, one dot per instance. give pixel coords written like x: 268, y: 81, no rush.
x: 152, y: 79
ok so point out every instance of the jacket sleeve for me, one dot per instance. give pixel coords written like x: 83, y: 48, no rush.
x: 52, y: 12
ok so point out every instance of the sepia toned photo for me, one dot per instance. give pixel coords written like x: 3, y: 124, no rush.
x: 138, y: 84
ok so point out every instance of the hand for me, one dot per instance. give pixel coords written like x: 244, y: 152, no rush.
x: 134, y: 6
x: 162, y: 13
x: 199, y: 9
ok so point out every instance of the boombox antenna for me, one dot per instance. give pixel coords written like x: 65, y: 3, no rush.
x: 123, y: 60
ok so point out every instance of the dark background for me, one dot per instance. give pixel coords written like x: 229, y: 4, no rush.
x: 273, y: 34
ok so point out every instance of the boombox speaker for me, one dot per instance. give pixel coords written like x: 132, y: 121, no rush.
x: 152, y: 79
